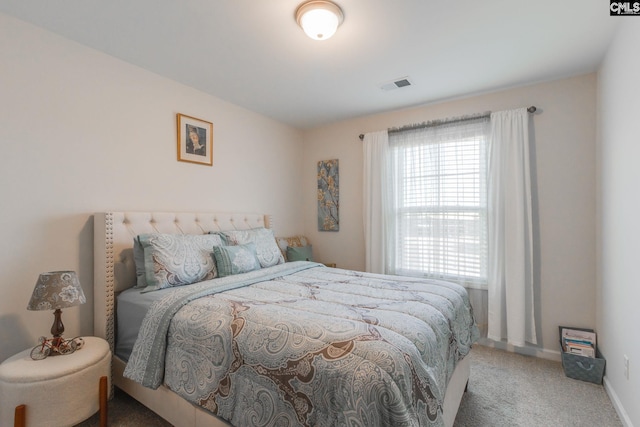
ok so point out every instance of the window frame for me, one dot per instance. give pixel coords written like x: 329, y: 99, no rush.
x: 477, y: 135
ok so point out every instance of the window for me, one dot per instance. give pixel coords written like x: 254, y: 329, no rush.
x: 440, y: 208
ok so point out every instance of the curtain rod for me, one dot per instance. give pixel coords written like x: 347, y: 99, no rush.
x: 531, y: 110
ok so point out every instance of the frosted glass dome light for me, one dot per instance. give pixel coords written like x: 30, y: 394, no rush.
x: 319, y: 19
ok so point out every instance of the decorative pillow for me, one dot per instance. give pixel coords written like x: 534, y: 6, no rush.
x: 299, y: 253
x: 178, y: 259
x: 236, y: 259
x: 268, y: 252
x: 138, y: 258
x: 294, y: 242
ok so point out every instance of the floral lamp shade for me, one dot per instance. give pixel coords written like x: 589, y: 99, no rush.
x: 56, y: 290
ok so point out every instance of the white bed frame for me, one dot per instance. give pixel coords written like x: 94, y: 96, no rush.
x: 114, y: 271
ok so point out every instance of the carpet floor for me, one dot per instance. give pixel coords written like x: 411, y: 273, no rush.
x: 505, y: 389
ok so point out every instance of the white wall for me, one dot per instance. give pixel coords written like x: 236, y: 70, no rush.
x: 563, y: 152
x: 82, y: 132
x: 619, y: 227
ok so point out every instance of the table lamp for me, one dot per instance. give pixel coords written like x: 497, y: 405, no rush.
x: 56, y: 290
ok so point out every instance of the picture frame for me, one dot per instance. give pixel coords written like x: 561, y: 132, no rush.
x: 195, y: 140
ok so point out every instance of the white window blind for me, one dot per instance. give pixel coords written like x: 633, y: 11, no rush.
x: 440, y: 206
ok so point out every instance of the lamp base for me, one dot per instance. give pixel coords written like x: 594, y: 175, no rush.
x: 57, y: 329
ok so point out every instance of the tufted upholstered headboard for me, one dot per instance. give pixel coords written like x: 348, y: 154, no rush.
x: 114, y: 268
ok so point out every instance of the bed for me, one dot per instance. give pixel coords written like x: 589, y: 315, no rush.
x: 328, y: 370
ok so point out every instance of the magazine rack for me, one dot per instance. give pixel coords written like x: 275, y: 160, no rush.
x: 590, y: 369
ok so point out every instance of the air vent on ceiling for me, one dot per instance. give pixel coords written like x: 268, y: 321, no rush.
x: 396, y: 84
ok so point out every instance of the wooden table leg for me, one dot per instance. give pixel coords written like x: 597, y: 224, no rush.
x: 19, y: 417
x: 104, y: 395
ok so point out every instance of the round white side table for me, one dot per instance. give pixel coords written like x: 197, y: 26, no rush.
x: 61, y: 390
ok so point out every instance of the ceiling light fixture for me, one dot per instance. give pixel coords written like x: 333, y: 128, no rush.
x: 319, y: 19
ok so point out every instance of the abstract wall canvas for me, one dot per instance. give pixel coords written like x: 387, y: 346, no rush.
x: 328, y: 195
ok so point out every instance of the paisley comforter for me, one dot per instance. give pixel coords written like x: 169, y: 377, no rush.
x: 302, y: 344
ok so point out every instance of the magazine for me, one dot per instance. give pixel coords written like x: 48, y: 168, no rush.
x: 576, y: 341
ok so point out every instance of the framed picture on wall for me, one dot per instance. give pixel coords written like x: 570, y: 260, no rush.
x: 195, y: 140
x: 328, y: 196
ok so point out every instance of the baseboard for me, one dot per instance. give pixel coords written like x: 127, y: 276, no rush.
x: 542, y: 353
x: 616, y: 403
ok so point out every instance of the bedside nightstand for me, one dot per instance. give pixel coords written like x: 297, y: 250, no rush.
x: 61, y: 390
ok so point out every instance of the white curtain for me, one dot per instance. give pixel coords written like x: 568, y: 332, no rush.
x: 375, y: 201
x: 510, y: 274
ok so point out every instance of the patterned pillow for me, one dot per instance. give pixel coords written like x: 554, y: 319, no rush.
x: 178, y: 259
x: 236, y: 259
x: 268, y: 252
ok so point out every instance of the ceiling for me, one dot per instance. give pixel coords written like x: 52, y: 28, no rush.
x: 253, y: 54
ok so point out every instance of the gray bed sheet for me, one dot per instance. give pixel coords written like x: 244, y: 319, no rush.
x: 132, y: 305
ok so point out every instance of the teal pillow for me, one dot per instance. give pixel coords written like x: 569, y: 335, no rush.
x: 299, y: 253
x: 138, y: 258
x: 236, y: 259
